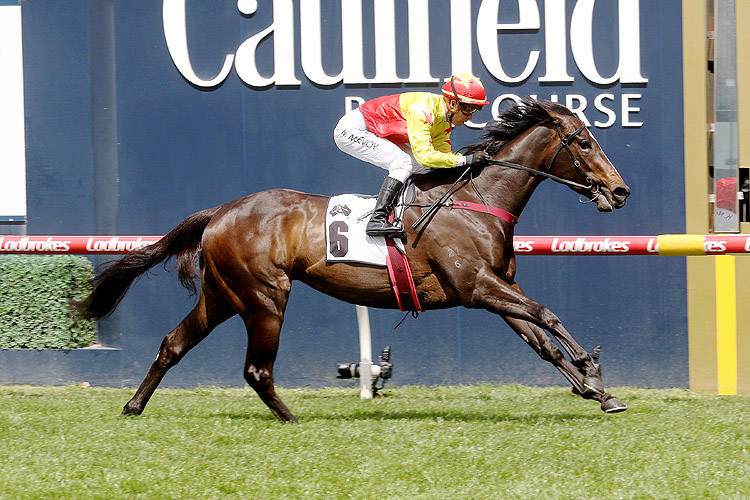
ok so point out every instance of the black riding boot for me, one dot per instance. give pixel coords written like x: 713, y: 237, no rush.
x: 378, y: 224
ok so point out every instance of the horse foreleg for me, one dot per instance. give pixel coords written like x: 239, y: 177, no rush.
x: 263, y: 332
x: 538, y: 340
x: 511, y: 303
x: 190, y: 332
x: 506, y: 300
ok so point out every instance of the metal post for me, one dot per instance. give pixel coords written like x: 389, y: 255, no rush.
x: 365, y: 353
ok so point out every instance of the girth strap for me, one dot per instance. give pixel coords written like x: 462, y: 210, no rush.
x: 402, y: 280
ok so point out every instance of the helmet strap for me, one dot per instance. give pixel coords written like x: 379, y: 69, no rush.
x: 448, y: 113
x: 453, y: 88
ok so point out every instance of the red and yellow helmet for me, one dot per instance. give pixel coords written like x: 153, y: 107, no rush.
x: 465, y: 88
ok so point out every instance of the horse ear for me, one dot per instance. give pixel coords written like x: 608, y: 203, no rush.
x: 559, y: 120
x: 559, y: 113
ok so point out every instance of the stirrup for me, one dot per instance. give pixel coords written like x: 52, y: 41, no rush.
x: 389, y: 230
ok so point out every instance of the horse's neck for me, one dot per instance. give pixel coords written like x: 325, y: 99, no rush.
x: 506, y: 187
x: 501, y: 187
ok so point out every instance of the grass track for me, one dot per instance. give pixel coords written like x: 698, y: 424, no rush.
x: 475, y: 442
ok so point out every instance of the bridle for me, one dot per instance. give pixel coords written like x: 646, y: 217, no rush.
x: 564, y: 144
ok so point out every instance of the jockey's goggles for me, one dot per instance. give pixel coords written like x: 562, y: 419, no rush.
x: 468, y: 109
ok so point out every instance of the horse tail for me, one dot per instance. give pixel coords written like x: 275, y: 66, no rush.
x: 183, y: 242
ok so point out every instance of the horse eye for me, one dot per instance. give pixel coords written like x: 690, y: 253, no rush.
x: 585, y: 144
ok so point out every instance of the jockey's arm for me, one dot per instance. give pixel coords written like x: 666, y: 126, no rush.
x: 429, y: 137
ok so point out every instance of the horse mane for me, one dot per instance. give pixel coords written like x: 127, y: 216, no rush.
x: 514, y: 120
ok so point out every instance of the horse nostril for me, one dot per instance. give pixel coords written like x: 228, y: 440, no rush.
x: 621, y: 192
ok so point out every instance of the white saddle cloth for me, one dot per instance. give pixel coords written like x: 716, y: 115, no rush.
x: 346, y: 218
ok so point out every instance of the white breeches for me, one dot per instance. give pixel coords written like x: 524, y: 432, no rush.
x: 352, y: 137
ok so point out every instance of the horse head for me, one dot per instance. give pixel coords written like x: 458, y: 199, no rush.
x: 576, y: 155
x: 547, y: 139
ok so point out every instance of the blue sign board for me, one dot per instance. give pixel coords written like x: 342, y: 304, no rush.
x: 141, y: 113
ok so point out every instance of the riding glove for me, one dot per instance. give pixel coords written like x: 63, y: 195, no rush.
x: 477, y: 159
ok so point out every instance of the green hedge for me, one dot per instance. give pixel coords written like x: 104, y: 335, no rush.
x: 35, y: 292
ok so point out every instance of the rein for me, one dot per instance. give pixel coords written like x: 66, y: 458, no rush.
x: 464, y: 205
x: 564, y: 144
x: 555, y: 178
x: 498, y: 212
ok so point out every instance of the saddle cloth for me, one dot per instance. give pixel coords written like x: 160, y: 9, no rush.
x: 346, y: 218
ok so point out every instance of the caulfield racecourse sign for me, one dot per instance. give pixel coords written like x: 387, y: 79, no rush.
x: 559, y: 34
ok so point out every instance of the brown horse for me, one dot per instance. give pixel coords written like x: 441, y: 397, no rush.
x: 250, y: 250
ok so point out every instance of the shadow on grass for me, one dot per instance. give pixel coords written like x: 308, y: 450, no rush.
x: 419, y: 415
x: 455, y: 416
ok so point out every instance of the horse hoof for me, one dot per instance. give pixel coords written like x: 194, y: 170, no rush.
x: 613, y: 405
x: 128, y: 412
x: 594, y: 385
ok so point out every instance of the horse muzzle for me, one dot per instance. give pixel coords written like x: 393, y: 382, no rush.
x: 610, y: 199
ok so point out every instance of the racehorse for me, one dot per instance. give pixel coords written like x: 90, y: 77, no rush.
x: 251, y: 249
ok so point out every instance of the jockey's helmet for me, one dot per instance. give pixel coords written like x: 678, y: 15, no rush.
x: 465, y: 88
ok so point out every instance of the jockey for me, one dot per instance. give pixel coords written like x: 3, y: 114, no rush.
x: 407, y: 134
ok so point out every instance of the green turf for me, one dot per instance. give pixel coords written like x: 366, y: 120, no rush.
x: 477, y: 442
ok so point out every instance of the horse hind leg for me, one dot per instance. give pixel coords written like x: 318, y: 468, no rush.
x: 210, y: 311
x: 263, y: 330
